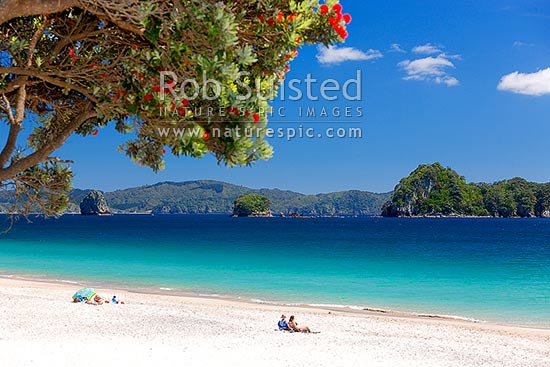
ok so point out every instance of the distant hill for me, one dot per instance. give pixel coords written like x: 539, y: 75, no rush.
x: 198, y: 197
x: 201, y: 197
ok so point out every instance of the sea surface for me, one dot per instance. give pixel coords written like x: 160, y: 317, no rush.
x: 484, y: 269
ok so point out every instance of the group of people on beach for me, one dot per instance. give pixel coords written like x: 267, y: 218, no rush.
x: 98, y: 301
x: 292, y: 325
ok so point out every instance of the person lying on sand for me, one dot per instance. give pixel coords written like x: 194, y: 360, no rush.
x: 96, y: 301
x: 282, y: 324
x: 294, y: 326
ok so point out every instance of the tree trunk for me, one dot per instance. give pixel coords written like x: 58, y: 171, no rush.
x: 10, y: 9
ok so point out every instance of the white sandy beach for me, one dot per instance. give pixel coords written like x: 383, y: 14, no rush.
x: 39, y: 326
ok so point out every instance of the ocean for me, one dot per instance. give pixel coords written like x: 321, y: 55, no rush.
x: 494, y: 270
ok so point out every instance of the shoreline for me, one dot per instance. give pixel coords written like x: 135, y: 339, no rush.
x: 41, y: 326
x: 359, y: 311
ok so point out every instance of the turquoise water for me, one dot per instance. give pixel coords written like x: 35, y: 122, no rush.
x: 487, y: 269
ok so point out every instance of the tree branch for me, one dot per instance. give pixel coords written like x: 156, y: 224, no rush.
x: 49, y: 79
x: 11, y: 9
x: 12, y: 135
x: 43, y: 153
x: 14, y: 85
x: 59, y: 160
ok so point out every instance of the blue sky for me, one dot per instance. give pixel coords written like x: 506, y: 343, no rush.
x: 430, y: 75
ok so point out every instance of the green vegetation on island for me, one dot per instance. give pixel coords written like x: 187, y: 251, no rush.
x: 252, y: 205
x: 433, y: 190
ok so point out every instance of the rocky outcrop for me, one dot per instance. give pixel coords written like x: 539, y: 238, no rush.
x: 435, y: 191
x: 94, y: 204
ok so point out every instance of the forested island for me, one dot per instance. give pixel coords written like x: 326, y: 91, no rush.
x: 252, y: 205
x: 433, y: 190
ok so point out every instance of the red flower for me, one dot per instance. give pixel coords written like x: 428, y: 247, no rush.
x: 295, y: 53
x: 96, y: 131
x: 261, y: 19
x: 181, y: 111
x: 156, y: 89
x: 271, y: 22
x: 148, y: 97
x: 236, y: 112
x: 287, y: 68
x: 280, y: 17
x: 185, y: 103
x: 323, y: 9
x: 256, y: 118
x: 298, y: 40
x: 206, y: 135
x: 135, y: 47
x: 343, y: 33
x: 164, y: 151
x: 172, y: 106
x: 347, y: 18
x: 247, y: 113
x: 332, y: 21
x: 72, y: 54
x: 337, y: 8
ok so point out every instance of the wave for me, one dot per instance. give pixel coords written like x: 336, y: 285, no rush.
x: 367, y: 309
x: 66, y: 281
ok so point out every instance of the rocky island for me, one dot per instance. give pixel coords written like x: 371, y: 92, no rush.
x: 435, y: 191
x: 94, y: 203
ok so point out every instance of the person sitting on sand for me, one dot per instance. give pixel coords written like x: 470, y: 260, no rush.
x: 294, y: 326
x: 282, y: 324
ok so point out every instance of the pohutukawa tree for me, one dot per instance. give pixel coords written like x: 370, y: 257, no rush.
x: 74, y: 66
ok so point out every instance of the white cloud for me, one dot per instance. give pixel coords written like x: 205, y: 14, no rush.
x: 432, y: 69
x: 334, y: 55
x: 427, y: 49
x: 531, y: 84
x: 395, y: 47
x: 523, y: 44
